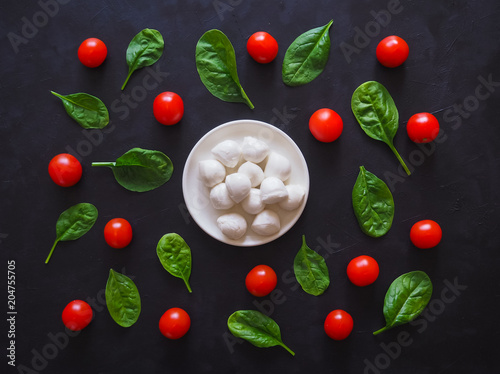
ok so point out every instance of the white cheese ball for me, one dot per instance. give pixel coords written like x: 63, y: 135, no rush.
x: 219, y: 197
x: 253, y: 172
x: 211, y: 172
x: 254, y: 150
x: 238, y: 185
x: 272, y: 190
x: 252, y: 204
x: 228, y: 152
x: 232, y: 225
x: 296, y: 195
x: 278, y: 166
x: 266, y: 223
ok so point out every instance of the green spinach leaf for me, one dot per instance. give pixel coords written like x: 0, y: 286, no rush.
x: 216, y: 65
x: 73, y: 223
x: 310, y: 270
x: 307, y: 56
x: 373, y: 204
x: 144, y: 50
x: 406, y: 298
x: 122, y: 299
x: 175, y: 256
x: 140, y: 169
x: 87, y: 110
x: 256, y: 328
x: 377, y: 114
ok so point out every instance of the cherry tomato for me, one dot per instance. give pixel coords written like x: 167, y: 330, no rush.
x: 326, y: 125
x: 262, y: 47
x: 65, y: 170
x: 118, y: 233
x: 168, y: 108
x: 338, y: 324
x: 261, y: 280
x: 77, y: 315
x: 92, y: 52
x: 426, y: 234
x: 175, y: 323
x: 422, y: 128
x: 392, y: 51
x: 363, y: 270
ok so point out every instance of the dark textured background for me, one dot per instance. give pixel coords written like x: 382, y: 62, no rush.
x: 454, y: 47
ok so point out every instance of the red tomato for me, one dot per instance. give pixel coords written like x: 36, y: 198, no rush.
x: 338, y: 324
x: 92, y: 52
x: 118, y: 233
x: 65, y: 170
x: 326, y: 125
x: 261, y: 280
x: 262, y: 47
x: 175, y: 323
x: 422, y: 128
x: 77, y: 315
x: 363, y: 270
x: 168, y: 108
x: 426, y: 234
x: 392, y: 51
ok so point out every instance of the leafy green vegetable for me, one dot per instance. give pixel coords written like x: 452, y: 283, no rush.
x: 406, y: 298
x: 87, y: 110
x: 122, y: 299
x: 73, y: 223
x: 373, y: 204
x: 144, y: 50
x: 310, y: 270
x: 175, y: 256
x: 307, y: 56
x: 216, y: 65
x: 140, y: 169
x: 256, y: 328
x: 377, y: 114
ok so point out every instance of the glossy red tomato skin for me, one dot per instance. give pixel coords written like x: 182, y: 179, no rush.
x: 65, y: 170
x: 426, y: 234
x: 338, y: 324
x: 168, y: 108
x: 118, y: 233
x: 92, y: 52
x: 77, y: 315
x: 261, y: 280
x: 422, y: 127
x: 326, y: 125
x: 363, y: 270
x: 392, y: 51
x: 262, y: 47
x: 175, y: 323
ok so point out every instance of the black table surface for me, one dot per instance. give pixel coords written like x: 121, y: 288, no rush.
x: 452, y: 71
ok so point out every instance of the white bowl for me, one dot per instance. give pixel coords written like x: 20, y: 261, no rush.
x: 197, y: 196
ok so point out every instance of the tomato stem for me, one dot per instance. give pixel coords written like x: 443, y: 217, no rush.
x: 401, y: 161
x: 51, y: 251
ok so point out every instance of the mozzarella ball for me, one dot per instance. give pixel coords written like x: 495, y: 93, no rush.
x: 254, y: 150
x: 266, y: 223
x: 272, y: 190
x: 233, y: 225
x: 219, y: 197
x: 238, y: 185
x: 211, y: 172
x: 228, y: 152
x: 253, y: 172
x: 296, y: 195
x: 278, y: 166
x: 252, y: 204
